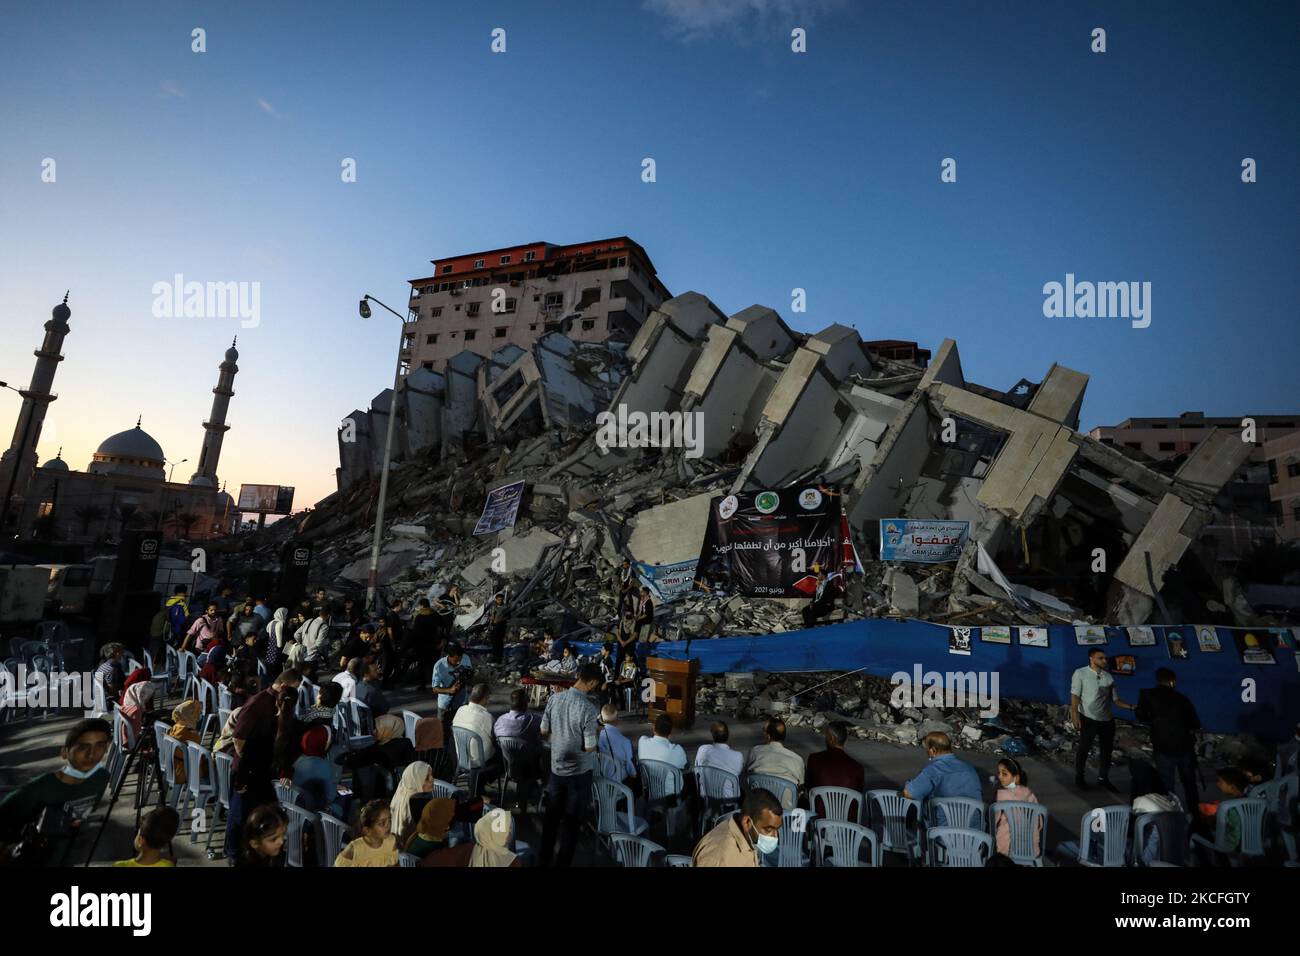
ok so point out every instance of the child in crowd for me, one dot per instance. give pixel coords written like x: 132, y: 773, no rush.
x: 263, y: 839
x: 376, y: 846
x: 566, y: 666
x: 157, y: 829
x: 1232, y: 783
x: 1013, y: 784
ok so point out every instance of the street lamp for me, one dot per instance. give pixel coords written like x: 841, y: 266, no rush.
x: 372, y: 580
x: 173, y: 471
x: 17, y: 459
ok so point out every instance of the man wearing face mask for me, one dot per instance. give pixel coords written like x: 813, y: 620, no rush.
x: 739, y: 839
x: 40, y: 820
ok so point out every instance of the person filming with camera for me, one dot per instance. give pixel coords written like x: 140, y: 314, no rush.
x: 40, y: 820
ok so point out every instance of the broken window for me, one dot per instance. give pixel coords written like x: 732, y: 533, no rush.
x: 428, y: 365
x: 511, y: 304
x: 554, y: 300
x: 529, y: 256
x: 478, y: 263
x: 970, y: 453
x: 435, y: 313
x: 472, y: 308
x: 1166, y: 446
x: 1135, y: 445
x: 505, y: 260
x: 471, y: 335
x: 446, y: 269
x: 408, y: 339
x: 430, y: 339
x: 588, y: 324
x: 1293, y: 469
x: 433, y: 339
x: 589, y: 297
x: 500, y: 333
x: 506, y: 390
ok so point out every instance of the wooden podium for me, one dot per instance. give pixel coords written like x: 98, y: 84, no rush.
x: 674, y: 691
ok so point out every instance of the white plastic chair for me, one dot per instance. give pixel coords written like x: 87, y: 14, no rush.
x: 200, y: 787
x: 633, y: 851
x: 608, y: 795
x: 838, y: 843
x: 958, y: 846
x: 335, y: 834
x: 661, y: 788
x: 1112, y: 823
x: 792, y: 839
x: 1250, y: 814
x: 786, y: 791
x: 896, y: 821
x: 677, y: 859
x: 1147, y: 824
x: 223, y: 763
x: 1026, y: 826
x: 300, y: 823
x: 837, y: 803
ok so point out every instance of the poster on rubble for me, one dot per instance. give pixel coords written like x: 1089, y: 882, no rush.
x: 667, y: 582
x: 767, y: 543
x: 500, y: 509
x: 927, y: 542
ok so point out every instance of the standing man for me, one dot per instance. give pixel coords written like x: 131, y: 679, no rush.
x: 624, y: 586
x: 311, y: 638
x: 1092, y: 693
x: 497, y: 633
x: 449, y: 685
x: 1174, y: 723
x: 570, y: 723
x: 645, y: 615
x: 178, y: 613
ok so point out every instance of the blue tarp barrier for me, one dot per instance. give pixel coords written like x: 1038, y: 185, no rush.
x: 1213, y: 681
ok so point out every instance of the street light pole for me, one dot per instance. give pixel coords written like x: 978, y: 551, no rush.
x: 372, y: 580
x: 15, y: 464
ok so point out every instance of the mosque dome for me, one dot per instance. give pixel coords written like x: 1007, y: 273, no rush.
x: 231, y: 354
x: 61, y: 312
x: 130, y: 453
x: 56, y: 463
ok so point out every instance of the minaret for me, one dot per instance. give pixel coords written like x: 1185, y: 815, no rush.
x: 216, y: 426
x: 17, y: 464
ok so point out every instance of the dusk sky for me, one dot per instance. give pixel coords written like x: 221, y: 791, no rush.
x: 775, y: 170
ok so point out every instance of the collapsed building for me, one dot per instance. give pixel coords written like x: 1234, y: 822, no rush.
x: 1063, y: 528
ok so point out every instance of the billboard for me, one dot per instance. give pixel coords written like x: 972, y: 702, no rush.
x: 767, y: 543
x: 265, y: 499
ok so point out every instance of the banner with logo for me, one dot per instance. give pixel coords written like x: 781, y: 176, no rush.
x: 770, y: 543
x: 928, y: 542
x: 500, y: 509
x: 667, y: 582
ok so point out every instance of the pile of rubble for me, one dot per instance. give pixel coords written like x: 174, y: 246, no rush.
x: 870, y: 708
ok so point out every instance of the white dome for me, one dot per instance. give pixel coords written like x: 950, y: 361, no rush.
x: 55, y: 464
x: 133, y: 443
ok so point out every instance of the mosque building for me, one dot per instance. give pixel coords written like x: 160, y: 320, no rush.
x: 126, y: 485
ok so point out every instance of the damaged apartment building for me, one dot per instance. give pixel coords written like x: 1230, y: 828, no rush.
x: 1063, y: 527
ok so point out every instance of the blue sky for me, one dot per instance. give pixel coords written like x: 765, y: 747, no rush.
x: 775, y: 170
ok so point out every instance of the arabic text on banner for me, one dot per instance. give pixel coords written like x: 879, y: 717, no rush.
x: 929, y: 542
x: 501, y: 508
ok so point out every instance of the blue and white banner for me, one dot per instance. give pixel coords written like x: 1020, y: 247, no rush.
x: 501, y: 508
x: 667, y: 582
x: 930, y: 542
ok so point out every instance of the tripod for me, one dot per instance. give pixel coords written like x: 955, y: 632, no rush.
x: 145, y: 749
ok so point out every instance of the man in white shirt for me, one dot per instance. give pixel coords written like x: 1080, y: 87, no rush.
x: 719, y: 754
x: 773, y: 757
x: 348, y: 679
x: 474, y: 716
x: 659, y: 747
x: 613, y: 742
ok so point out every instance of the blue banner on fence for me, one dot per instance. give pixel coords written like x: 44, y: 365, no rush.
x: 1035, y: 663
x: 667, y: 582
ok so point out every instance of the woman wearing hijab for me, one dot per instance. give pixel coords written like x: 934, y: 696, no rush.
x: 137, y: 698
x: 417, y: 778
x: 275, y: 637
x: 185, y: 728
x: 431, y: 832
x: 493, y: 834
